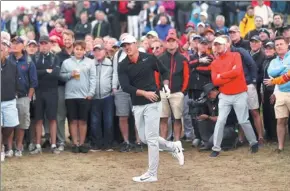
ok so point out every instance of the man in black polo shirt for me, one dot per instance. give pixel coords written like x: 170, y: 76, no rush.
x: 47, y: 66
x: 136, y: 76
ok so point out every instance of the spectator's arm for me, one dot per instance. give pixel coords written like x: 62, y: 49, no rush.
x: 281, y: 79
x: 65, y: 75
x: 243, y: 26
x: 216, y: 79
x: 237, y: 68
x: 186, y: 73
x: 115, y: 71
x: 251, y: 65
x: 33, y: 81
x: 275, y: 69
x: 93, y: 80
x: 56, y: 68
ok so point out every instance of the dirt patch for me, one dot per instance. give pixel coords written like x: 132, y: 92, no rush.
x: 234, y: 171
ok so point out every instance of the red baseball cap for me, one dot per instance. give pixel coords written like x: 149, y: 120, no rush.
x: 171, y: 36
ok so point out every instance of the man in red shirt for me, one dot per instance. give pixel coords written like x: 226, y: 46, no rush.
x: 227, y: 73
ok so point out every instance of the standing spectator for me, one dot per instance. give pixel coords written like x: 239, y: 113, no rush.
x: 69, y: 15
x: 265, y: 12
x: 31, y: 47
x: 195, y: 17
x: 79, y: 73
x: 231, y: 7
x: 57, y: 31
x: 214, y: 9
x: 184, y: 9
x: 152, y: 11
x: 200, y: 28
x: 162, y: 28
x: 25, y: 27
x: 9, y: 113
x: 161, y: 11
x: 279, y: 66
x: 12, y: 24
x: 278, y: 24
x: 169, y: 6
x: 247, y: 24
x: 123, y: 10
x: 280, y: 7
x: 66, y: 53
x: 241, y: 9
x: 110, y: 9
x: 47, y: 65
x: 83, y: 27
x: 134, y: 8
x: 220, y: 24
x: 143, y: 18
x: 89, y: 8
x: 232, y: 85
x: 101, y: 27
x: 236, y: 38
x: 27, y: 84
x: 103, y: 102
x: 258, y: 25
x: 178, y: 66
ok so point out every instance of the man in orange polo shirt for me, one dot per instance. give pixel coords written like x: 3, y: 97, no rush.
x: 227, y: 73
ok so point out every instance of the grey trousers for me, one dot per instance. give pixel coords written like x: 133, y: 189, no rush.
x: 187, y: 123
x: 240, y: 104
x: 147, y: 119
x: 61, y: 116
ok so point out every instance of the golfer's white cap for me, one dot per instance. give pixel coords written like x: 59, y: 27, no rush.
x: 128, y: 39
x: 220, y: 40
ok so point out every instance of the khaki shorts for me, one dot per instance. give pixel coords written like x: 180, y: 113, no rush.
x: 282, y: 105
x: 176, y: 102
x: 253, y: 100
x: 23, y: 106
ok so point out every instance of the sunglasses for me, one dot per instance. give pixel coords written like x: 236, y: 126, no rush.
x: 43, y: 43
x: 155, y: 48
x: 233, y: 32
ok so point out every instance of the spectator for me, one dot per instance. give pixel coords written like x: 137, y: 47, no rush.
x: 184, y: 9
x: 204, y: 18
x: 272, y: 34
x: 209, y: 35
x: 231, y: 8
x: 31, y: 47
x: 157, y: 48
x: 57, y: 31
x: 110, y: 9
x: 143, y: 18
x: 264, y: 35
x: 195, y: 16
x: 200, y: 28
x: 89, y: 46
x: 54, y: 45
x: 241, y: 9
x: 214, y: 9
x: 79, y: 73
x: 169, y: 6
x: 47, y: 66
x: 69, y: 16
x: 101, y: 27
x: 123, y: 11
x: 12, y: 24
x: 89, y: 8
x: 103, y: 102
x: 248, y: 22
x: 279, y: 66
x: 134, y: 8
x: 236, y: 38
x: 194, y: 40
x: 265, y: 12
x: 27, y: 83
x: 30, y: 35
x: 258, y: 25
x: 162, y: 28
x: 286, y: 34
x: 220, y: 24
x: 145, y: 44
x: 83, y: 27
x: 278, y: 24
x: 152, y: 11
x: 25, y: 27
x: 280, y: 7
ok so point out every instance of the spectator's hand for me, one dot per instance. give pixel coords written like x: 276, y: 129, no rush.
x: 203, y: 117
x: 114, y: 90
x: 218, y: 76
x: 152, y: 96
x: 268, y: 82
x: 89, y: 97
x: 166, y: 90
x: 49, y: 70
x: 272, y: 99
x: 262, y: 98
x: 204, y: 60
x: 234, y: 67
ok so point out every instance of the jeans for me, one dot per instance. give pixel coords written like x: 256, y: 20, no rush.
x: 102, y: 110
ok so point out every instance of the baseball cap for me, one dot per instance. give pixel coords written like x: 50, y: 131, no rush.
x: 255, y: 38
x: 117, y: 44
x: 219, y: 32
x: 265, y: 31
x: 18, y: 40
x: 99, y: 46
x: 194, y: 37
x: 234, y: 29
x: 203, y: 41
x: 129, y: 39
x: 31, y: 42
x: 6, y: 42
x: 220, y: 40
x: 43, y: 39
x: 203, y: 13
x: 153, y: 33
x: 171, y: 37
x: 201, y: 24
x: 270, y: 44
x: 209, y: 30
x: 208, y: 88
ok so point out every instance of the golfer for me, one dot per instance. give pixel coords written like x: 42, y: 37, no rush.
x: 136, y: 76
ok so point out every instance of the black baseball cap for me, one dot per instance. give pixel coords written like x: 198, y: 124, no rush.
x: 219, y: 32
x: 265, y: 31
x: 18, y: 40
x: 203, y: 40
x: 207, y: 88
x: 255, y: 38
x: 44, y: 39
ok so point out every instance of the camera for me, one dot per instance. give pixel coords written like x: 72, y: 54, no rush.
x: 197, y: 107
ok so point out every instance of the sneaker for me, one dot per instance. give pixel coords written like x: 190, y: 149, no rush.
x: 18, y: 153
x: 196, y: 142
x: 177, y: 153
x: 31, y: 147
x: 95, y: 149
x: 138, y: 148
x: 46, y: 144
x: 61, y: 147
x: 9, y: 154
x: 255, y: 148
x: 278, y: 151
x: 109, y: 149
x: 145, y: 178
x: 83, y: 149
x: 125, y: 147
x: 2, y: 156
x: 75, y: 149
x: 214, y: 154
x: 55, y: 150
x: 36, y: 151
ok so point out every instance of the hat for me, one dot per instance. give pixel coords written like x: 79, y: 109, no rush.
x: 190, y: 24
x: 6, y: 42
x: 31, y: 42
x: 286, y: 27
x: 270, y: 44
x: 203, y: 41
x: 18, y: 40
x: 171, y: 37
x: 255, y: 38
x: 234, y: 28
x: 265, y: 31
x: 208, y: 88
x: 153, y: 33
x: 43, y: 39
x: 99, y: 46
x: 117, y: 44
x: 219, y: 32
x: 194, y: 37
x: 209, y: 30
x: 196, y: 11
x: 172, y: 32
x: 220, y: 40
x: 142, y: 38
x: 128, y: 39
x: 203, y: 13
x: 201, y: 24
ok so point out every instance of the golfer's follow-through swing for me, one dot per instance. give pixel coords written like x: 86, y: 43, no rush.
x: 136, y: 76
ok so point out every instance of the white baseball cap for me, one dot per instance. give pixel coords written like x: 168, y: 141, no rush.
x: 201, y: 24
x: 220, y: 40
x: 128, y: 39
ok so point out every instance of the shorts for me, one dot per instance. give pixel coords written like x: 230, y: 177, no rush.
x: 9, y: 114
x: 46, y: 105
x: 282, y: 105
x: 23, y: 107
x: 123, y: 104
x: 176, y: 103
x: 253, y: 100
x: 77, y: 109
x: 123, y: 17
